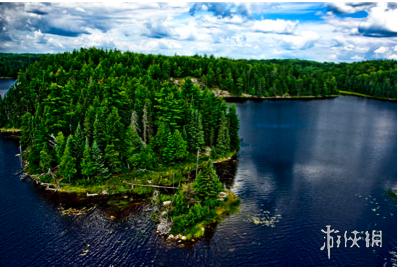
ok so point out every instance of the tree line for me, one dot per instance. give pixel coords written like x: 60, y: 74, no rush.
x: 262, y: 78
x: 11, y: 64
x: 375, y: 78
x: 93, y: 112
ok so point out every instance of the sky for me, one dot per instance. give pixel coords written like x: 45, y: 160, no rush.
x: 338, y: 32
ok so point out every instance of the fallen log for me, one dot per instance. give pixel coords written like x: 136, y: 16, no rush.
x: 155, y: 186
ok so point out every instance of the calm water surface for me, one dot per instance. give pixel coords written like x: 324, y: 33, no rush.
x: 308, y: 163
x: 5, y: 84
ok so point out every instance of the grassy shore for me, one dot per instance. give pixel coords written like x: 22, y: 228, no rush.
x: 9, y: 130
x: 230, y: 205
x: 132, y: 182
x: 367, y: 96
x: 278, y: 97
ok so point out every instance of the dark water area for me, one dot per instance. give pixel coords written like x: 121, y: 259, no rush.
x: 302, y: 165
x: 5, y: 84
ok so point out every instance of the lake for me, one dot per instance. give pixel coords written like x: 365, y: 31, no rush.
x: 5, y: 84
x: 303, y: 164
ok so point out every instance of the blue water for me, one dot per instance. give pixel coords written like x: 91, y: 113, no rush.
x: 314, y: 163
x: 5, y: 84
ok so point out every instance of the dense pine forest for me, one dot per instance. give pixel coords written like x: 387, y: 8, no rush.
x: 94, y: 112
x: 11, y: 64
x: 376, y: 78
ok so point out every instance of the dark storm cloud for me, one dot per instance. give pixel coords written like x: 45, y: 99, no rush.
x: 348, y: 8
x: 38, y: 12
x: 392, y: 5
x: 50, y: 19
x: 376, y: 31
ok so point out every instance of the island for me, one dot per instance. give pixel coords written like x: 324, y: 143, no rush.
x: 97, y: 122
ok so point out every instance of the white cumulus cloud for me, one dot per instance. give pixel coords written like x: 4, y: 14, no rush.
x: 275, y: 26
x: 302, y: 41
x: 381, y: 50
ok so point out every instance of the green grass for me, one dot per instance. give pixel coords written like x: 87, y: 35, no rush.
x: 120, y: 184
x: 285, y: 97
x: 229, y: 206
x: 10, y: 130
x: 364, y: 95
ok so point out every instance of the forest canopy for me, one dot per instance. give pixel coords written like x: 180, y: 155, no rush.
x: 11, y: 64
x: 94, y: 112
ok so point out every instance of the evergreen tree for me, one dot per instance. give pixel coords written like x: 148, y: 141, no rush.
x: 181, y: 151
x: 233, y: 127
x: 45, y: 158
x: 60, y: 146
x: 99, y: 130
x: 148, y: 158
x: 223, y: 139
x: 207, y: 184
x: 112, y: 157
x: 89, y: 120
x: 132, y: 148
x: 195, y: 134
x: 168, y: 152
x: 27, y: 128
x: 101, y: 172
x: 87, y: 164
x: 80, y: 143
x: 162, y: 137
x: 68, y: 162
x: 213, y: 153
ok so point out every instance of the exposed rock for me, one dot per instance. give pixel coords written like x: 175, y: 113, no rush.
x: 222, y: 194
x: 221, y: 93
x: 207, y: 151
x: 104, y: 192
x: 166, y: 203
x: 164, y: 226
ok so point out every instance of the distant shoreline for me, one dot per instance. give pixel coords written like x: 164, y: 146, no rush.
x: 279, y: 98
x: 367, y: 96
x: 242, y: 98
